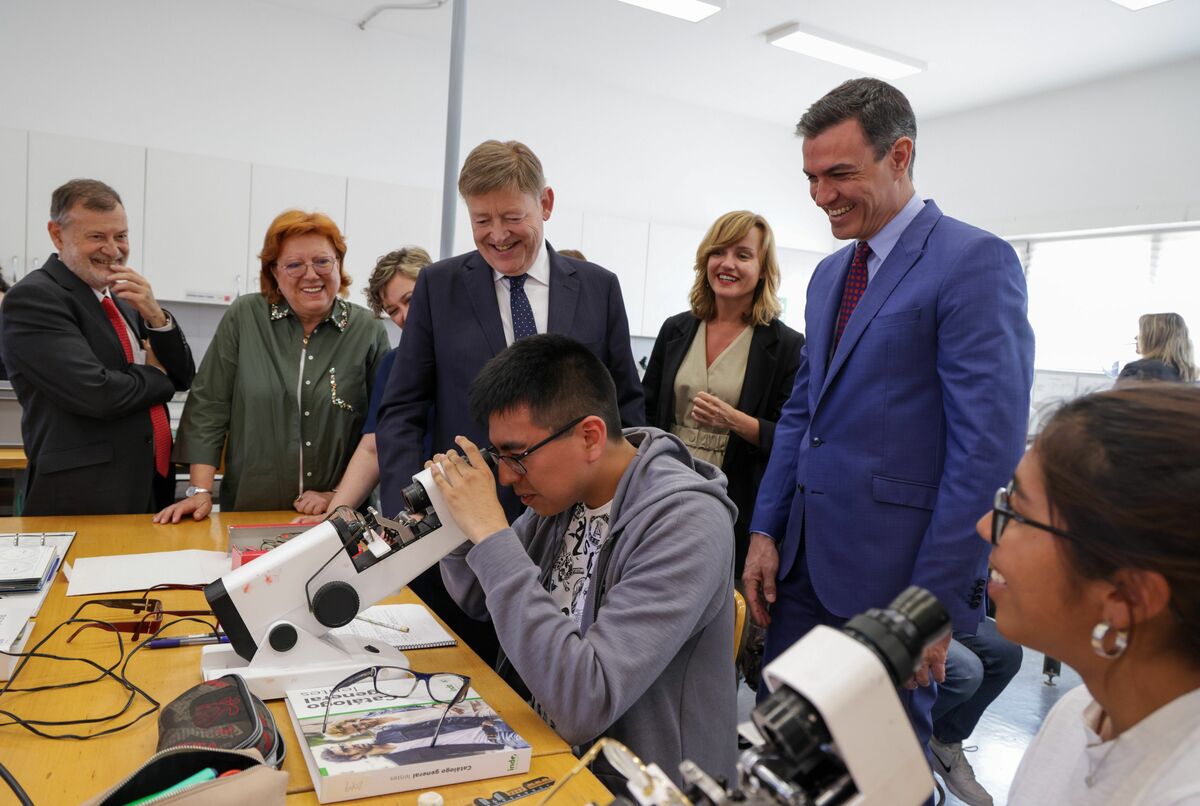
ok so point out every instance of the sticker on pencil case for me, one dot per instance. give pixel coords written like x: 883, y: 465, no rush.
x: 528, y: 788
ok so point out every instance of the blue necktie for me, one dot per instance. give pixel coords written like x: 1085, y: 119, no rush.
x: 522, y: 311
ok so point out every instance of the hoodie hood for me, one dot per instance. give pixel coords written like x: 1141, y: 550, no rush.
x: 664, y: 466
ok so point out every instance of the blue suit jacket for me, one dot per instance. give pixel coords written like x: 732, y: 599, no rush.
x: 891, y: 447
x: 454, y: 327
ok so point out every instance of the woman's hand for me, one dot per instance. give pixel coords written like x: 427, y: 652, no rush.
x: 198, y: 506
x: 313, y: 502
x: 714, y: 412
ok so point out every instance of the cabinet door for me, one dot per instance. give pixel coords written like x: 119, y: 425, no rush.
x: 13, y: 147
x: 197, y: 242
x: 273, y: 190
x: 55, y: 159
x: 381, y: 218
x: 669, y: 273
x: 619, y: 245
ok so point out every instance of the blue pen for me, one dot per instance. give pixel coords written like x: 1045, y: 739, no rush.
x: 187, y: 640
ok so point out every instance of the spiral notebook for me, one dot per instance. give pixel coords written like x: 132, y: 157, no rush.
x: 404, y: 626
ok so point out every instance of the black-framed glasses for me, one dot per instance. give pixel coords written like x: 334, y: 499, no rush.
x: 514, y: 462
x: 396, y: 681
x: 1002, y: 513
x: 323, y: 266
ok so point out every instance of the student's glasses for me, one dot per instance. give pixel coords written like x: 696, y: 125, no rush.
x: 1002, y: 513
x: 396, y: 681
x: 515, y: 461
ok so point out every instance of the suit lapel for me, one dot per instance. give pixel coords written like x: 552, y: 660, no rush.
x: 564, y: 294
x: 820, y: 330
x: 758, y: 367
x: 675, y: 347
x: 903, y: 257
x: 85, y: 298
x: 481, y: 288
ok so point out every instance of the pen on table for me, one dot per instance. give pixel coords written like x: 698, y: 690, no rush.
x: 187, y: 640
x: 396, y: 627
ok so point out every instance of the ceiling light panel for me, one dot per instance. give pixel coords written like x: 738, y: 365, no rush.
x: 690, y: 10
x: 1138, y: 5
x: 835, y: 49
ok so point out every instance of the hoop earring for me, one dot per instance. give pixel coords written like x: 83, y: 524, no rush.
x: 1120, y: 640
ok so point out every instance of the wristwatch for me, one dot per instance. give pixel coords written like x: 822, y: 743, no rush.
x: 193, y: 489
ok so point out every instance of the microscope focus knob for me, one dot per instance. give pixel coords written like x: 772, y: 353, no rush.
x: 282, y: 637
x: 335, y: 604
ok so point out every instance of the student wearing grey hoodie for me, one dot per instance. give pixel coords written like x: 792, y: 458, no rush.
x: 612, y: 595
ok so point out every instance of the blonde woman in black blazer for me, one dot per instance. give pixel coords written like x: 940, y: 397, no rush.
x: 733, y: 319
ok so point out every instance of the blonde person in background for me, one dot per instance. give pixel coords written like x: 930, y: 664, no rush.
x: 388, y: 292
x: 284, y: 386
x: 1165, y: 348
x: 720, y: 372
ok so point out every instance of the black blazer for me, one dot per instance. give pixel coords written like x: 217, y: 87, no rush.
x: 770, y: 371
x: 454, y: 327
x: 85, y: 419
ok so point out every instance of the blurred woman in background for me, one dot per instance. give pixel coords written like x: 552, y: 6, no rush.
x: 388, y: 292
x: 720, y: 372
x: 1165, y: 348
x: 283, y: 389
x: 1097, y: 563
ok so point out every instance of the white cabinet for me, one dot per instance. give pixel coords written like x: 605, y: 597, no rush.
x: 670, y: 258
x: 55, y: 159
x: 381, y: 218
x: 619, y: 245
x: 273, y: 190
x: 13, y: 146
x: 196, y: 241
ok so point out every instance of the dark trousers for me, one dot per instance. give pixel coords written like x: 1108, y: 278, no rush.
x: 798, y: 609
x: 479, y: 635
x: 978, y: 668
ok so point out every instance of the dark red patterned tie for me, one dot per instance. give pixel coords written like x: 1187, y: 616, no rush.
x: 159, y: 421
x: 856, y: 284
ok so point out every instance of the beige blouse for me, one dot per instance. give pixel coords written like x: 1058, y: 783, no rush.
x: 723, y: 379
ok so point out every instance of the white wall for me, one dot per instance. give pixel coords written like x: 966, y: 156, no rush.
x: 270, y: 85
x: 1104, y: 154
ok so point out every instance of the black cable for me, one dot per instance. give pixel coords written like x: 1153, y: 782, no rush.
x: 14, y: 786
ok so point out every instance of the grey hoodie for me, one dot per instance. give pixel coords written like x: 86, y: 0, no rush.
x: 651, y: 665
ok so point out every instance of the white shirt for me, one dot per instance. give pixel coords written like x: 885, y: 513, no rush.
x: 1154, y: 763
x: 537, y: 288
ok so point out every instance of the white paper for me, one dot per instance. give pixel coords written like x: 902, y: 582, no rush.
x: 13, y: 617
x: 136, y: 572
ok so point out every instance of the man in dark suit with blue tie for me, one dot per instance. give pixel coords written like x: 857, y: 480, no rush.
x: 468, y: 308
x: 909, y: 409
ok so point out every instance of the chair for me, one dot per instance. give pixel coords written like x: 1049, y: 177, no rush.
x: 739, y: 624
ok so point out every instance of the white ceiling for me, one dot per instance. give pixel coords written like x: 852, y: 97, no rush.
x: 978, y: 51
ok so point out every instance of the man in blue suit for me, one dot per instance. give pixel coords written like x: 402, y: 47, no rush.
x: 910, y: 406
x: 467, y: 309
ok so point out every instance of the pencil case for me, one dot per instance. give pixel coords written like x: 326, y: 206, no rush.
x: 221, y: 713
x: 255, y: 782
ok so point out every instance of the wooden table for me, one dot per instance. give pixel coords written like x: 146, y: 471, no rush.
x: 69, y: 771
x: 13, y: 459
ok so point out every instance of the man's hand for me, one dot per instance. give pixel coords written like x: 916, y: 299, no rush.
x: 313, y: 502
x: 933, y: 664
x: 135, y: 289
x: 470, y: 490
x: 758, y: 577
x: 198, y: 506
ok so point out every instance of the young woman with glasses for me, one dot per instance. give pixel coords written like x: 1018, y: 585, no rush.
x: 1097, y: 563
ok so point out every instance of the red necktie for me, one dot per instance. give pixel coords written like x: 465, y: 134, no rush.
x: 856, y: 284
x: 159, y: 422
